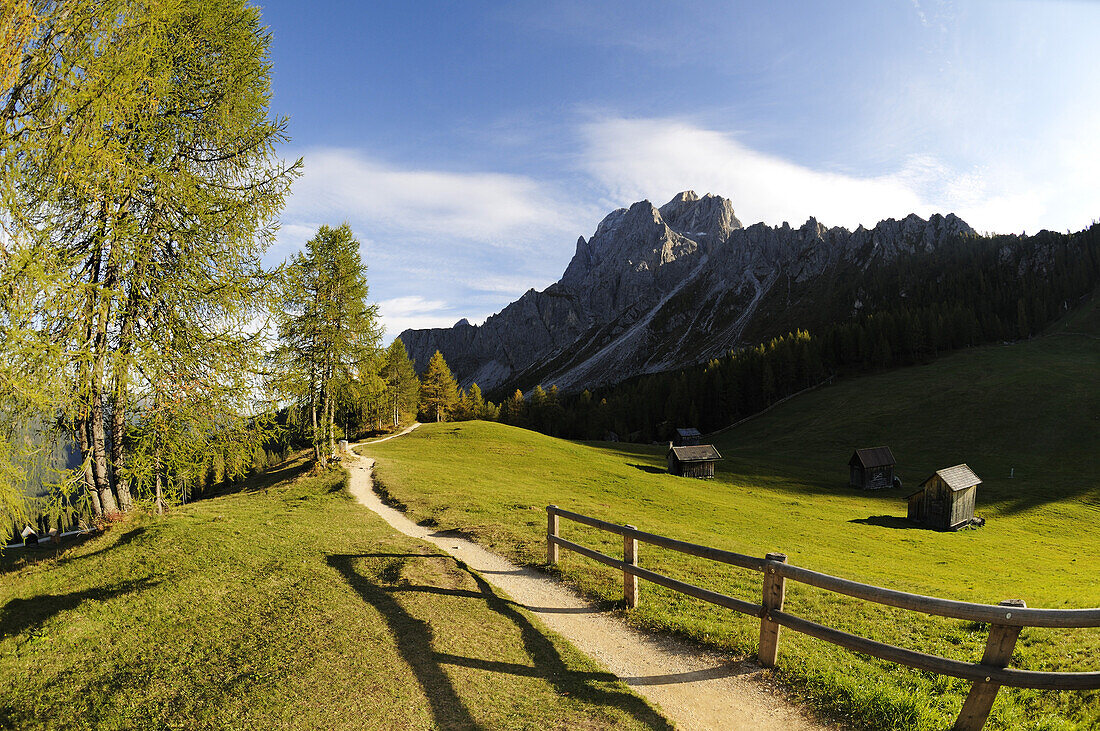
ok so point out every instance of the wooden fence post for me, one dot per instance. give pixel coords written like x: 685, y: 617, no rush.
x: 998, y: 653
x: 552, y: 552
x: 630, y: 556
x: 774, y: 590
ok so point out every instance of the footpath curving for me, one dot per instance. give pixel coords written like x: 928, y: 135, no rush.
x: 694, y: 689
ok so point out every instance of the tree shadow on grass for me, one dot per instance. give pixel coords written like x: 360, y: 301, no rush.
x: 887, y: 521
x: 414, y: 640
x: 20, y: 615
x: 18, y: 559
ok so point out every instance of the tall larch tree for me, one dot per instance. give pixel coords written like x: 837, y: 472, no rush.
x: 140, y: 184
x: 402, y: 392
x: 438, y: 389
x: 329, y: 333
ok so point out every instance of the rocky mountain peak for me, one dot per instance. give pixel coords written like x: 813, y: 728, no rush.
x: 679, y: 202
x: 626, y: 238
x: 708, y: 220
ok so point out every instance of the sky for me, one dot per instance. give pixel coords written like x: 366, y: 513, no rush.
x: 469, y: 144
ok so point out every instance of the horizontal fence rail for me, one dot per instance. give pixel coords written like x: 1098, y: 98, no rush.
x: 1005, y: 619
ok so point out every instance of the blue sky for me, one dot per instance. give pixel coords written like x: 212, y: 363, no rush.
x: 469, y: 144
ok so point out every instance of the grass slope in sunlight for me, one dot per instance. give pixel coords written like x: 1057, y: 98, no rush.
x: 285, y: 605
x: 1032, y: 407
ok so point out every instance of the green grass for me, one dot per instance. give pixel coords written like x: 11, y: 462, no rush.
x: 1032, y: 407
x: 284, y: 605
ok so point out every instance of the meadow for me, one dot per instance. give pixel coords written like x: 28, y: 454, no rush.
x: 282, y: 605
x: 1024, y: 416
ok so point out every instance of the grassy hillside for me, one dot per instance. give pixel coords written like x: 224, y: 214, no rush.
x: 285, y: 605
x: 1032, y: 407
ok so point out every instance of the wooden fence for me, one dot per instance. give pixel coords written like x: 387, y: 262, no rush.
x: 1005, y: 620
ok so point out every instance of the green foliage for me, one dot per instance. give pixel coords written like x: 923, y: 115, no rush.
x: 329, y: 335
x: 402, y: 387
x: 138, y: 188
x: 438, y: 391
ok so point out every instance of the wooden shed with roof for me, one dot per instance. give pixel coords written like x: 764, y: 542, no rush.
x: 689, y: 437
x: 693, y: 461
x: 871, y: 468
x: 946, y: 500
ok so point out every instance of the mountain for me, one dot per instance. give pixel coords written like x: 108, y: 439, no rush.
x: 660, y: 288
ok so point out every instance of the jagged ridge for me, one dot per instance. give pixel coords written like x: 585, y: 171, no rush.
x: 660, y: 288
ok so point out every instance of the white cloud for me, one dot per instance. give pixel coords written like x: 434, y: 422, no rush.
x: 413, y: 311
x: 656, y: 158
x: 436, y: 242
x: 490, y: 208
x: 508, y: 284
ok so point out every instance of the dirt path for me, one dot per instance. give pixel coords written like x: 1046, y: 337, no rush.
x: 694, y: 690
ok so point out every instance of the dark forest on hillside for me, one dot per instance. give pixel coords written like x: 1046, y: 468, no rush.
x: 981, y: 290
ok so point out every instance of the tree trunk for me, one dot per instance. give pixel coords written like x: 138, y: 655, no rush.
x: 97, y: 506
x: 118, y: 458
x: 89, y: 478
x: 331, y: 425
x: 99, y: 354
x: 89, y: 425
x: 319, y: 433
x: 120, y: 378
x: 313, y: 416
x: 159, y: 490
x: 99, y: 453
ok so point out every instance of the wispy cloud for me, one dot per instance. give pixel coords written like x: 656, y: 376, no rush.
x: 656, y: 158
x: 920, y: 13
x: 414, y: 311
x: 490, y: 208
x: 436, y: 242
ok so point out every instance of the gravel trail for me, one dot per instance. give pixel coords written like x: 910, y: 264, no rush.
x: 694, y: 689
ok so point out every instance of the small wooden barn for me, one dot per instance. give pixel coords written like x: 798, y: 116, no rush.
x: 946, y: 500
x: 688, y: 437
x: 871, y: 468
x: 693, y: 461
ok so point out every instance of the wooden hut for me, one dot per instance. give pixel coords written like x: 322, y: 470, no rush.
x: 946, y: 500
x: 688, y: 437
x: 693, y: 461
x: 871, y: 468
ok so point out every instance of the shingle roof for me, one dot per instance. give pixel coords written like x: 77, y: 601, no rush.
x: 874, y: 457
x: 689, y: 432
x: 700, y: 453
x: 958, y: 477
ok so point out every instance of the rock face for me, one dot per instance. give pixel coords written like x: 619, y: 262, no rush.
x: 660, y: 288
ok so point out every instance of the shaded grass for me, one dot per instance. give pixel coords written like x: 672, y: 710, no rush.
x: 1032, y: 408
x: 283, y: 605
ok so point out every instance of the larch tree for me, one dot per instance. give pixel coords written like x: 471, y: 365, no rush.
x: 402, y: 392
x: 328, y: 333
x: 139, y: 186
x: 438, y: 389
x: 477, y: 407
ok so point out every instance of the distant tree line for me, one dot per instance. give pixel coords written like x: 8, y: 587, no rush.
x: 979, y: 290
